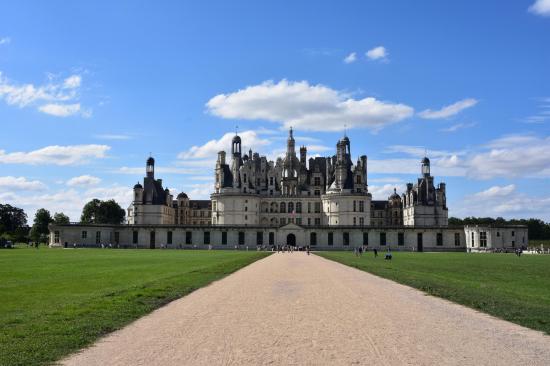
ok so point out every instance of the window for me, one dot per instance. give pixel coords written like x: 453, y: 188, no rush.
x: 241, y: 237
x: 345, y: 238
x: 206, y: 237
x: 134, y: 237
x: 282, y: 207
x: 224, y: 237
x: 259, y: 238
x: 290, y: 207
x: 317, y: 221
x: 245, y: 178
x: 313, y: 239
x: 298, y: 207
x: 117, y: 237
x: 457, y: 239
x: 483, y: 239
x: 361, y: 221
x: 245, y: 208
x: 169, y: 237
x: 361, y: 206
x: 400, y: 239
x: 271, y: 238
x: 298, y: 221
x: 55, y: 237
x: 317, y: 181
x: 439, y: 239
x: 84, y: 234
x: 317, y: 207
x: 188, y: 237
x: 309, y: 207
x: 513, y: 233
x: 498, y: 233
x: 317, y: 192
x: 270, y: 181
x: 309, y: 221
x: 354, y: 206
x: 366, y: 238
x: 98, y: 237
x: 382, y: 238
x: 354, y: 221
x: 283, y: 221
x: 473, y: 240
x: 330, y: 239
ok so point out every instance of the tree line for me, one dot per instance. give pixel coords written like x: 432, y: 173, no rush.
x: 538, y: 229
x: 14, y: 227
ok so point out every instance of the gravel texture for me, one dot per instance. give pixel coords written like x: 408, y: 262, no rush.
x: 295, y: 309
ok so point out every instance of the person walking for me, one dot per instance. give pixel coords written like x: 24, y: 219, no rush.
x: 375, y: 252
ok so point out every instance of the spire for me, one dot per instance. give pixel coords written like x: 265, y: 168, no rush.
x: 290, y: 135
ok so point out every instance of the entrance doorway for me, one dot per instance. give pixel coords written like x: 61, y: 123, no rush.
x: 419, y: 242
x: 152, y: 240
x: 291, y: 240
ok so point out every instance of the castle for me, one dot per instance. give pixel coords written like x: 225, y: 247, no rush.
x: 322, y: 202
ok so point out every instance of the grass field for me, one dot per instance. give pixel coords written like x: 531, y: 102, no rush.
x: 503, y: 285
x: 55, y: 301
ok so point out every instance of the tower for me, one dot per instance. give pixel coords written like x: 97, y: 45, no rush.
x: 425, y: 164
x: 150, y: 167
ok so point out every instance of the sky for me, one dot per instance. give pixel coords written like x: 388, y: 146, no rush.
x: 88, y: 90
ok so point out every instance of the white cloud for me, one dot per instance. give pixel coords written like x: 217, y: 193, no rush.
x: 60, y: 110
x: 72, y: 82
x: 5, y: 40
x: 351, y: 58
x: 56, y: 155
x: 377, y: 53
x: 449, y: 110
x: 503, y: 201
x: 54, y: 98
x: 496, y: 191
x: 162, y: 170
x: 458, y: 126
x: 83, y: 180
x: 383, y: 192
x: 509, y: 157
x: 540, y: 7
x: 20, y: 184
x: 307, y: 107
x: 209, y: 150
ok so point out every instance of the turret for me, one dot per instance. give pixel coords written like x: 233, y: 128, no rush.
x: 138, y: 193
x: 303, y: 156
x: 150, y: 167
x: 425, y: 167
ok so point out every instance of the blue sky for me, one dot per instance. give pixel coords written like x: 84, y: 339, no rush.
x: 87, y: 91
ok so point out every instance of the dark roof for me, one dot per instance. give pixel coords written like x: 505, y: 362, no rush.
x: 182, y: 195
x: 138, y: 186
x: 200, y: 204
x: 379, y: 205
x: 150, y: 161
x: 153, y: 190
x: 425, y: 161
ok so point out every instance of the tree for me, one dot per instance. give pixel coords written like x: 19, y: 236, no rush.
x: 11, y: 218
x: 60, y: 218
x: 42, y: 219
x: 102, y: 212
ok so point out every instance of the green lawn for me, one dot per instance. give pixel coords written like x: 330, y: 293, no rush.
x: 503, y: 285
x: 56, y: 301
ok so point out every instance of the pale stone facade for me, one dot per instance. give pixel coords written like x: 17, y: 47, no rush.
x: 254, y: 191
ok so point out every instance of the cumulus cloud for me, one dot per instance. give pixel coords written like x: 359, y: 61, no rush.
x: 20, y: 184
x: 383, y: 192
x: 56, y: 98
x: 5, y: 40
x: 209, y: 150
x: 307, y: 107
x: 56, y: 155
x: 83, y: 180
x: 540, y: 7
x: 60, y: 110
x: 505, y: 201
x: 377, y: 53
x: 351, y: 58
x: 509, y: 157
x: 448, y: 111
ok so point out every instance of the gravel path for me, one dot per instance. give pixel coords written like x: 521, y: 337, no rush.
x: 295, y: 309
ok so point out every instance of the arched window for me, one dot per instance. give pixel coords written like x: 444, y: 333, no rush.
x: 358, y: 180
x: 298, y: 207
x: 290, y: 207
x: 282, y: 207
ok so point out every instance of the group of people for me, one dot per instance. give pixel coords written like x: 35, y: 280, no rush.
x: 360, y: 250
x: 290, y: 248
